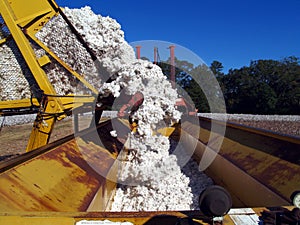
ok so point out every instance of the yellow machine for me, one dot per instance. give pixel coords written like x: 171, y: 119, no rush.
x: 24, y: 19
x: 55, y: 185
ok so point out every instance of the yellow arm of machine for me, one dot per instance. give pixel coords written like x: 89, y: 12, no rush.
x: 24, y: 19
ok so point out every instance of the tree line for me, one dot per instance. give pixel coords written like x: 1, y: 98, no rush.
x: 263, y: 87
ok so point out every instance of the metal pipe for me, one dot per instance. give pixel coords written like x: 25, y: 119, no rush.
x: 172, y: 62
x: 138, y: 51
x: 155, y: 55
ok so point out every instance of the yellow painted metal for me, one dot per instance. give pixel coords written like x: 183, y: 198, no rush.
x: 69, y: 175
x: 48, y: 114
x: 72, y: 177
x: 137, y: 218
x: 3, y: 40
x: 253, y: 177
x: 24, y: 19
x: 69, y: 102
x: 72, y: 101
x: 22, y: 103
x: 279, y: 175
x: 166, y: 131
x: 44, y: 60
x: 65, y: 178
x: 43, y: 126
x: 25, y: 12
x: 16, y: 15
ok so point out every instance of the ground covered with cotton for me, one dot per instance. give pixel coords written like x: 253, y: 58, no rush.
x: 282, y: 124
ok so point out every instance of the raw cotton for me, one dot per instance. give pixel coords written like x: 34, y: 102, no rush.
x: 150, y: 174
x: 103, y: 35
x: 13, y: 73
x: 151, y: 178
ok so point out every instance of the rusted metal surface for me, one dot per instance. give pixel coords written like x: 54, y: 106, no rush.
x: 137, y: 218
x: 244, y: 216
x: 258, y: 168
x: 285, y: 147
x: 65, y: 177
x: 72, y: 175
x: 59, y: 180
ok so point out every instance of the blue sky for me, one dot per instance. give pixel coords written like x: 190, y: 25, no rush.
x: 233, y: 32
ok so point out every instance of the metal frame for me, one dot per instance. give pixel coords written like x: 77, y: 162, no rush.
x: 24, y: 19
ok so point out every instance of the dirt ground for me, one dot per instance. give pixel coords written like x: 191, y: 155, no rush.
x: 14, y: 139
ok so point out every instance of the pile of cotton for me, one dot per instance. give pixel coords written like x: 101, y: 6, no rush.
x: 151, y: 178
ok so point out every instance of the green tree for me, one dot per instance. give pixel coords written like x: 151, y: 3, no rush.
x: 206, y: 91
x: 265, y: 87
x: 182, y: 71
x: 287, y: 86
x: 217, y: 67
x: 201, y: 94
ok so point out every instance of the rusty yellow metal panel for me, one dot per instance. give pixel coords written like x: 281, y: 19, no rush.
x: 137, y: 218
x: 61, y: 179
x: 252, y: 175
x: 278, y: 174
x: 20, y: 220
